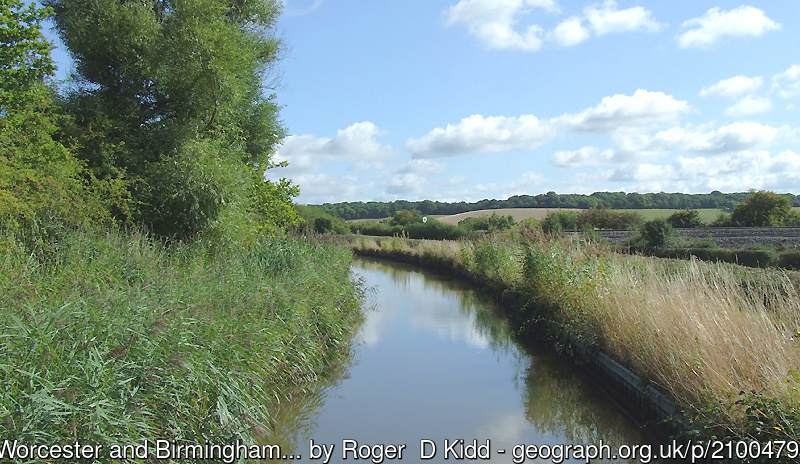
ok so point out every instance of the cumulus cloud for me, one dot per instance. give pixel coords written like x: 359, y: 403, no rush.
x: 570, y: 32
x: 493, y: 22
x: 321, y: 188
x: 715, y: 24
x: 356, y: 143
x: 479, y: 134
x: 726, y: 139
x: 733, y: 87
x: 608, y: 19
x: 496, y: 134
x: 787, y: 83
x: 749, y: 105
x: 752, y: 168
x: 625, y: 111
x: 585, y: 156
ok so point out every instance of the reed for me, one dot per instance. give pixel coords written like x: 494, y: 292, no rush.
x: 116, y: 339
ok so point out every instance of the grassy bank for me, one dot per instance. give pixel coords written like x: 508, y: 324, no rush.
x: 111, y: 338
x: 721, y: 340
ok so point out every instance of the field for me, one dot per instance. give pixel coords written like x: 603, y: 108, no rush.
x: 518, y: 214
x: 706, y: 215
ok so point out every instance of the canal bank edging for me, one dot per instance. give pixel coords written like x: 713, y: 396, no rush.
x: 657, y: 415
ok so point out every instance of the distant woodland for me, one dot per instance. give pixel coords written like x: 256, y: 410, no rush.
x: 615, y: 200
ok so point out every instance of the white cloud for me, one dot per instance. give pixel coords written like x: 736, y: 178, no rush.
x: 585, y: 156
x: 714, y: 24
x: 733, y: 87
x: 625, y: 111
x: 493, y: 22
x: 291, y: 10
x: 787, y: 83
x: 730, y: 172
x: 751, y: 104
x: 608, y: 19
x: 322, y: 188
x: 424, y: 166
x: 406, y: 184
x: 569, y: 32
x: 786, y: 162
x: 478, y: 134
x: 726, y: 139
x: 356, y: 143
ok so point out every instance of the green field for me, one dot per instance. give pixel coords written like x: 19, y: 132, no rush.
x: 706, y: 215
x: 519, y: 214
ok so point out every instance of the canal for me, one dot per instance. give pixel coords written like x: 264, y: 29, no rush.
x: 437, y: 374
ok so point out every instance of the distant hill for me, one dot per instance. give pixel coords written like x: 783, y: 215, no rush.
x: 616, y: 200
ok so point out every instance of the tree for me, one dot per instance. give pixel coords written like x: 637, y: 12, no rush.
x: 685, y: 218
x: 42, y: 184
x: 762, y: 208
x: 24, y: 55
x: 170, y: 97
x: 657, y: 233
x: 404, y: 217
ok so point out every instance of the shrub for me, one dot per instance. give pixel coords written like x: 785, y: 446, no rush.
x: 657, y: 233
x: 606, y: 218
x: 685, y: 218
x: 559, y: 221
x: 789, y: 260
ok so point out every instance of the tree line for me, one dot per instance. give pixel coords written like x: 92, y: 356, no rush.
x: 614, y: 200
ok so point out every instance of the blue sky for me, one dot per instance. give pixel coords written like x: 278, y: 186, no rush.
x: 463, y: 100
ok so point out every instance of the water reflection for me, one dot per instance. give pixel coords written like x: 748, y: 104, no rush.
x: 435, y: 361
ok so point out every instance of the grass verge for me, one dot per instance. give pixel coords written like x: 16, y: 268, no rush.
x: 113, y: 339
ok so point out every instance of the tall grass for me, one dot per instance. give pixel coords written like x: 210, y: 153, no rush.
x: 115, y: 339
x: 720, y: 339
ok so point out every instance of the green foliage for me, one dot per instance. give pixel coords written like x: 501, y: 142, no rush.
x: 750, y: 257
x: 310, y: 216
x: 605, y: 218
x: 723, y: 220
x: 789, y: 260
x: 24, y: 55
x: 491, y: 223
x: 44, y: 189
x: 127, y: 340
x: 406, y: 217
x: 170, y: 100
x: 493, y: 263
x: 559, y: 221
x: 766, y: 421
x: 432, y: 230
x: 657, y: 233
x: 685, y: 218
x: 617, y: 200
x: 762, y: 209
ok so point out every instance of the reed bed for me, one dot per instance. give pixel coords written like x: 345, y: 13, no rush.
x: 113, y: 338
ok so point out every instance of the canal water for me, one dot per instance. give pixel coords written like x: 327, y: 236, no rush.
x: 434, y: 363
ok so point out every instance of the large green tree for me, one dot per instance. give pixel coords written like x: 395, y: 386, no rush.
x: 42, y: 185
x: 170, y: 96
x: 762, y: 208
